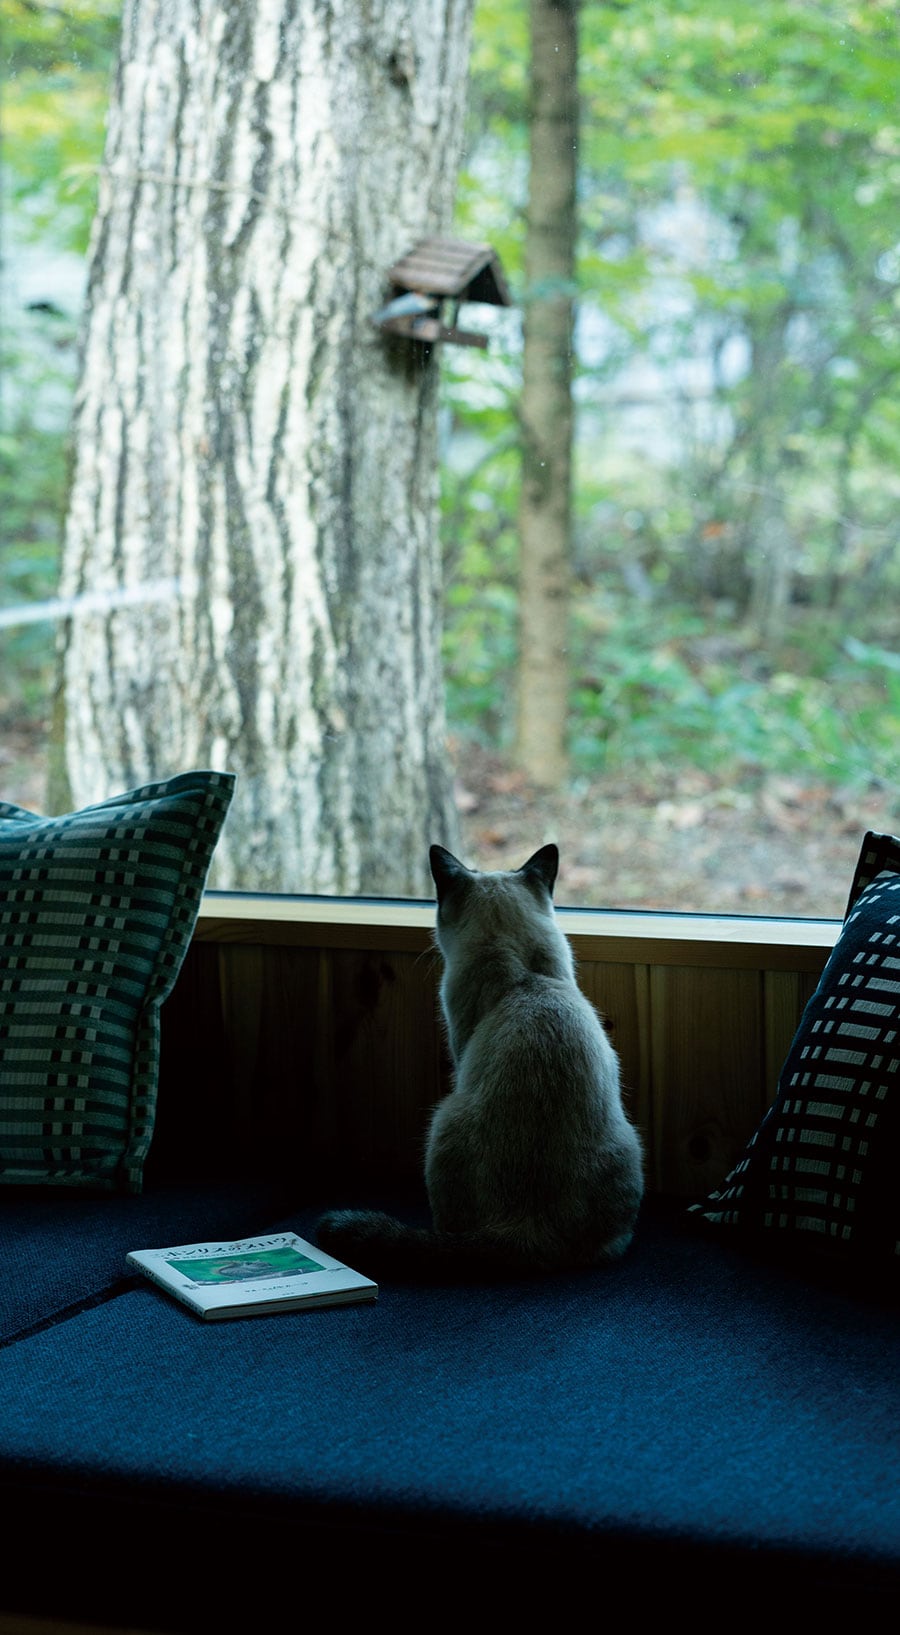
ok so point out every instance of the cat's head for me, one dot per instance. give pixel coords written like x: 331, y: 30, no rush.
x: 510, y: 903
x: 539, y: 872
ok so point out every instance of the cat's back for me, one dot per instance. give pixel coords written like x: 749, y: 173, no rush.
x: 533, y: 1146
x: 543, y: 1032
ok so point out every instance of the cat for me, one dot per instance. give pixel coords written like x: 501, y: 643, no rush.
x: 531, y: 1163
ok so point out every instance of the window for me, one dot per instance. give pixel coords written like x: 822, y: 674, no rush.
x: 697, y: 376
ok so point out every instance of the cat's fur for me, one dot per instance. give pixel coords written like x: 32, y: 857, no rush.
x: 531, y: 1164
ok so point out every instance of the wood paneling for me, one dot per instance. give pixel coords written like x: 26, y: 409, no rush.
x: 388, y: 1057
x: 785, y: 995
x: 324, y: 1058
x: 706, y: 1053
x: 621, y: 996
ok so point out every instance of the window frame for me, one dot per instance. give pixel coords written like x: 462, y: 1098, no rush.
x: 626, y: 936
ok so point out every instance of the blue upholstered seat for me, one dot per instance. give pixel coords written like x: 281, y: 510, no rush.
x: 686, y: 1417
x: 61, y: 1249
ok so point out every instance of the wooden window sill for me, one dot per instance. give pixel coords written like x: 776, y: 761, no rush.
x: 614, y: 936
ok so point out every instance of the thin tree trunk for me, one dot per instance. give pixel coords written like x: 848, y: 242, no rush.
x: 545, y: 508
x: 253, y: 459
x: 769, y: 547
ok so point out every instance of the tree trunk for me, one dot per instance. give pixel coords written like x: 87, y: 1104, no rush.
x: 254, y: 462
x: 545, y: 507
x: 768, y: 545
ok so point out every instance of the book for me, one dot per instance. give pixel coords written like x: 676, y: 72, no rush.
x: 252, y: 1277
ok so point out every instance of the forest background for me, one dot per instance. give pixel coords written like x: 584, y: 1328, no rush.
x: 733, y: 666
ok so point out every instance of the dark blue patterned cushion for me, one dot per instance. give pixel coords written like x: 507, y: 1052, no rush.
x: 822, y: 1168
x: 97, y: 908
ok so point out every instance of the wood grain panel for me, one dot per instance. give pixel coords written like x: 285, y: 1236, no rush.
x: 785, y: 995
x: 243, y: 1074
x: 324, y: 1059
x: 194, y: 1127
x: 621, y: 995
x: 280, y: 1093
x: 389, y: 1061
x: 707, y: 1054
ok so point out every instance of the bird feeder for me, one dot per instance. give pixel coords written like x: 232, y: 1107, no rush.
x: 442, y: 273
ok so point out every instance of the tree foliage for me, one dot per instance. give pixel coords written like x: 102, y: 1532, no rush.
x: 57, y: 65
x: 738, y: 290
x: 739, y: 350
x: 58, y: 61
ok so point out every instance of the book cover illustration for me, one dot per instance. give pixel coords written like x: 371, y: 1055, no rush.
x: 239, y: 1268
x: 252, y: 1276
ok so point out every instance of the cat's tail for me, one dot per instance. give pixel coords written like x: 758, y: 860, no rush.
x: 382, y: 1247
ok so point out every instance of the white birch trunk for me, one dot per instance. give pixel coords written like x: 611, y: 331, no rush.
x: 251, y: 450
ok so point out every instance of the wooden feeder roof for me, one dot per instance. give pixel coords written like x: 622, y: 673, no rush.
x: 448, y: 267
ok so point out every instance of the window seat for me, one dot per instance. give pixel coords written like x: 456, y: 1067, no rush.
x: 689, y: 1419
x: 696, y: 1426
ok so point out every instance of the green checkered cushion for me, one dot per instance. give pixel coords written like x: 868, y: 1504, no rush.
x: 96, y: 912
x: 821, y: 1170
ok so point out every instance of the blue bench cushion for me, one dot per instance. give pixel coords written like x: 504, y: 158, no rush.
x: 61, y: 1249
x: 685, y: 1411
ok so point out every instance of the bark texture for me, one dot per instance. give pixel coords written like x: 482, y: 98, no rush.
x: 253, y: 461
x: 545, y: 509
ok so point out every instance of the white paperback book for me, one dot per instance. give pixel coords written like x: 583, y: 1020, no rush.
x: 252, y: 1277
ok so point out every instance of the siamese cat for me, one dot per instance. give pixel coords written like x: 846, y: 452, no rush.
x: 531, y: 1164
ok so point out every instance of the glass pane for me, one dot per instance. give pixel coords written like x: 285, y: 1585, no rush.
x: 625, y: 576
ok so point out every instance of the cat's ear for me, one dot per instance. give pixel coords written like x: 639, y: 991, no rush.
x: 542, y: 867
x: 446, y: 870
